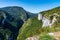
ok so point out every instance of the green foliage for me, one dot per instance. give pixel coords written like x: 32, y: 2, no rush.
x: 51, y: 11
x: 48, y: 14
x: 1, y: 15
x: 15, y: 17
x: 30, y: 28
x: 46, y: 37
x: 48, y: 29
x: 5, y: 32
x: 33, y: 27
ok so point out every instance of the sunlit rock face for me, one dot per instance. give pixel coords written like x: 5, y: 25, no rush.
x: 47, y: 22
x: 33, y: 38
x: 4, y: 18
x: 51, y: 34
x: 55, y: 15
x: 56, y: 35
x: 40, y: 16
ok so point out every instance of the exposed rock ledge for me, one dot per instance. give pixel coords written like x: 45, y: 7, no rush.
x: 33, y: 38
x: 55, y: 34
x: 46, y: 20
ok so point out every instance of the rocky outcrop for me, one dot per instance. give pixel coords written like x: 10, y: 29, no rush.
x: 46, y: 20
x: 40, y: 17
x: 33, y: 38
x: 56, y: 35
x: 4, y: 18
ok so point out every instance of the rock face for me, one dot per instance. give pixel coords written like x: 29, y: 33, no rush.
x: 46, y: 21
x: 33, y: 38
x: 55, y: 34
x: 40, y: 16
x: 4, y: 18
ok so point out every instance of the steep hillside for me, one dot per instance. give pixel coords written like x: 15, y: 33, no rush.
x: 30, y: 28
x: 12, y: 19
x: 33, y: 27
x: 49, y: 14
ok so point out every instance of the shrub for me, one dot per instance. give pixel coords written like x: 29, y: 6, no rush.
x: 46, y: 37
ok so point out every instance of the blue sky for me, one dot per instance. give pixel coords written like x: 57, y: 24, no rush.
x: 33, y: 6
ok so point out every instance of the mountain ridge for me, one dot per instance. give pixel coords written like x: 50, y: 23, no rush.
x: 33, y: 26
x: 23, y: 24
x: 15, y: 17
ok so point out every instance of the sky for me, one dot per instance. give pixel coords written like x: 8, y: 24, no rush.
x: 33, y: 6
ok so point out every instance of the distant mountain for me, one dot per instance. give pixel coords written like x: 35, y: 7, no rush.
x: 11, y: 20
x: 18, y: 12
x: 33, y: 27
